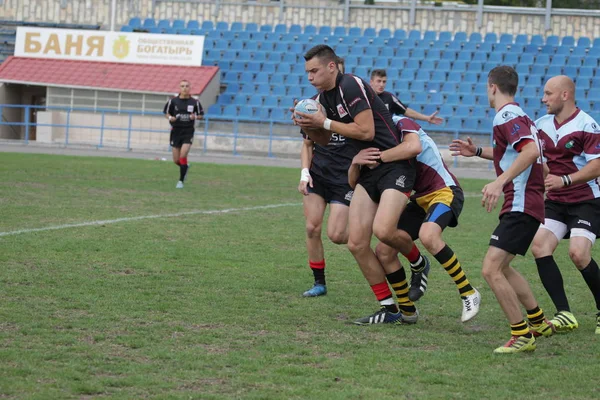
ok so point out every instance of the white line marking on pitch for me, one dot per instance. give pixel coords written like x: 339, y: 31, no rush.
x: 114, y: 221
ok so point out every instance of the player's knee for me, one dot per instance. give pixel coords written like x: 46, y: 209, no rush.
x: 384, y: 232
x: 579, y: 257
x: 313, y: 230
x: 338, y: 237
x: 540, y: 249
x: 358, y: 247
x: 432, y: 241
x: 385, y: 254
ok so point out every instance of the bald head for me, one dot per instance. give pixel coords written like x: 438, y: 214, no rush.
x: 559, y: 95
x: 562, y: 83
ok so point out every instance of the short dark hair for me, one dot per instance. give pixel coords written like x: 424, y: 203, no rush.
x: 323, y: 52
x: 506, y: 78
x: 341, y: 62
x: 378, y: 72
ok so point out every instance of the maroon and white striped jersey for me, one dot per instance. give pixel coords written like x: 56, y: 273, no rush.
x: 568, y: 147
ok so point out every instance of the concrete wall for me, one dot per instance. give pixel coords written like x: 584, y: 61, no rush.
x: 450, y: 19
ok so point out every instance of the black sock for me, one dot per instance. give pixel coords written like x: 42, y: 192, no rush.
x: 182, y: 171
x: 591, y: 275
x: 553, y: 282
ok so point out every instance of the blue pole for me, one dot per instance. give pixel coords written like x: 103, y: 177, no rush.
x: 235, y: 136
x: 205, y: 134
x: 270, y: 138
x: 67, y: 127
x: 27, y: 110
x: 129, y: 134
x: 101, y: 130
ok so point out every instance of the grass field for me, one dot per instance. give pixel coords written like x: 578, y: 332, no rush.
x: 208, y: 305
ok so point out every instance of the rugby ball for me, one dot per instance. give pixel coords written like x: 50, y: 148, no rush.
x: 307, y: 106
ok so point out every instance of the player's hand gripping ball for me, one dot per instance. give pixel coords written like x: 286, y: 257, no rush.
x: 307, y: 106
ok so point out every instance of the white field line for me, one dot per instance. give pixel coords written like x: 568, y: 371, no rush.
x: 142, y: 217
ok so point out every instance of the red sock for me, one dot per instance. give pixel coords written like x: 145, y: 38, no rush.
x: 183, y: 161
x: 413, y: 255
x: 382, y: 291
x: 317, y: 264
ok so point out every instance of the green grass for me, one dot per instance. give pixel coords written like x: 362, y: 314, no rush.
x: 208, y: 305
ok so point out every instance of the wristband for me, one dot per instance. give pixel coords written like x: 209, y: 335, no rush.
x: 566, y: 179
x: 479, y: 151
x: 327, y: 124
x: 304, y: 175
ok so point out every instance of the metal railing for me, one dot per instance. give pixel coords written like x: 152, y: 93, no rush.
x: 265, y: 135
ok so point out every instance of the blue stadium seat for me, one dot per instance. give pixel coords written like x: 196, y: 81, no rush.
x: 475, y: 37
x: 480, y: 56
x: 149, y: 23
x: 587, y: 72
x: 135, y: 22
x: 531, y: 48
x: 280, y: 28
x: 491, y: 37
x: 193, y: 24
x: 475, y: 66
x: 214, y: 109
x: 443, y: 65
x: 369, y: 32
x: 254, y: 66
x: 255, y: 101
x: 460, y: 37
x: 164, y: 24
x: 230, y: 77
x: 563, y: 50
x: 385, y: 33
x: 465, y: 56
x: 548, y: 49
x: 559, y: 60
x: 297, y: 29
x: 126, y: 28
x: 433, y: 55
x: 430, y: 36
x: 438, y: 77
x: 459, y: 66
x: 417, y: 87
x: 230, y: 111
x: 433, y: 86
x: 571, y: 71
x: 252, y: 27
x: 521, y: 39
x: 420, y: 98
x: 445, y: 37
x: 553, y: 40
x: 575, y: 61
x: 428, y: 65
x: 400, y: 34
x: 584, y: 42
x: 568, y: 41
x: 414, y: 35
x: 381, y: 63
x: 207, y: 26
x: 537, y: 40
x: 221, y: 26
x: 325, y: 30
x: 179, y: 24
x: 387, y: 52
x: 506, y: 38
x: 449, y: 55
x: 266, y: 28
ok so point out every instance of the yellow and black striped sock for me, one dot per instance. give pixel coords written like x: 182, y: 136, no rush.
x: 448, y: 259
x: 520, y: 329
x: 536, y: 316
x: 398, y: 282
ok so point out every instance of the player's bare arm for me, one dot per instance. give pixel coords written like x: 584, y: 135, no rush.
x: 432, y: 119
x: 409, y: 148
x: 468, y: 149
x: 306, y: 154
x: 363, y: 127
x: 366, y: 157
x: 586, y: 174
x: 528, y: 155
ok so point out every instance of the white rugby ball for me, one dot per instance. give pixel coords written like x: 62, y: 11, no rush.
x: 307, y: 106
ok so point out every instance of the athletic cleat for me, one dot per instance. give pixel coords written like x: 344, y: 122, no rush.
x: 383, y: 316
x: 179, y: 185
x: 418, y: 282
x: 470, y: 306
x: 598, y: 324
x: 316, y: 290
x: 564, y: 321
x: 517, y: 344
x: 545, y: 329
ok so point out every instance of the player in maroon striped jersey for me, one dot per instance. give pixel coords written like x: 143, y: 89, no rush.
x: 516, y: 156
x: 571, y: 141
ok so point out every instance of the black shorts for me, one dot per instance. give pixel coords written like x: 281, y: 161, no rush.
x: 442, y: 207
x: 399, y: 176
x: 331, y: 192
x: 582, y: 215
x: 179, y: 137
x: 515, y: 232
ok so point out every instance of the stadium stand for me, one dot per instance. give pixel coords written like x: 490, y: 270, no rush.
x: 261, y: 66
